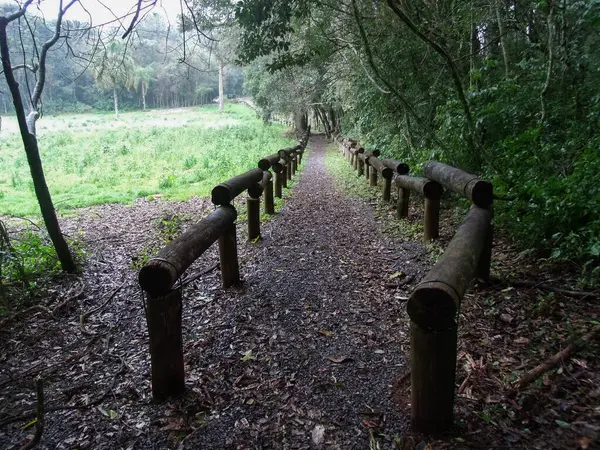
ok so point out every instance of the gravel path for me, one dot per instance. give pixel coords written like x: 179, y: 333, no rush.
x: 327, y: 333
x: 304, y: 354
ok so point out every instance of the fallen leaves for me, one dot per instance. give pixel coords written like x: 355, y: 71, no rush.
x: 340, y: 359
x: 325, y: 333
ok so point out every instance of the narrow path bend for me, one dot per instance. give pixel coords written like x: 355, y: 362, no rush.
x: 316, y: 339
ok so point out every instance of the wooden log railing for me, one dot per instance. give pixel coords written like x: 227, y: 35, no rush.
x: 158, y: 277
x: 433, y: 309
x: 434, y: 305
x: 163, y: 303
x: 470, y: 186
x: 431, y: 190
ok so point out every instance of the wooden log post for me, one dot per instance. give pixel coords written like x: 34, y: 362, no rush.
x: 159, y: 274
x: 361, y: 166
x: 356, y: 152
x: 431, y: 229
x: 399, y: 167
x: 402, y: 204
x: 385, y: 172
x: 286, y: 155
x: 278, y: 184
x: 433, y: 308
x: 163, y: 315
x: 432, y: 191
x: 230, y: 270
x: 479, y: 191
x: 367, y: 155
x: 387, y: 189
x: 372, y: 175
x: 485, y: 261
x: 284, y: 173
x: 294, y: 162
x: 271, y: 161
x: 253, y: 209
x: 267, y: 184
x: 253, y: 212
x: 224, y: 193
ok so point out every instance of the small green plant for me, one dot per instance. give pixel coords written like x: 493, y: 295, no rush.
x: 167, y: 182
x: 190, y: 162
x: 170, y: 226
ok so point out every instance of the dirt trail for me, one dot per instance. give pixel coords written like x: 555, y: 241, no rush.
x: 303, y: 354
x: 328, y: 338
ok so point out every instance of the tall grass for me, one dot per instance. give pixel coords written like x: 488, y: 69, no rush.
x: 118, y: 165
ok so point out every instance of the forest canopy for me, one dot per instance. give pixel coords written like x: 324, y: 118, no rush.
x: 504, y: 88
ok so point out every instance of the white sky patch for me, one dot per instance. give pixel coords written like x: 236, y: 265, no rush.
x: 101, y: 11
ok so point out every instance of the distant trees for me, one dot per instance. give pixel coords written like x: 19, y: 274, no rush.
x: 142, y: 78
x: 114, y: 69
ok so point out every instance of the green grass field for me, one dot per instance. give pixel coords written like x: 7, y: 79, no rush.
x: 93, y: 158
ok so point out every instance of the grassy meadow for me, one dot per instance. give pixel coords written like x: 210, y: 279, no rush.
x: 94, y: 158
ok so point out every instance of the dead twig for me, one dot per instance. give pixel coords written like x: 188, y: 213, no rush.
x: 39, y: 412
x: 556, y: 359
x: 546, y: 287
x: 97, y: 401
x: 42, y: 309
x: 194, y: 276
x: 87, y: 314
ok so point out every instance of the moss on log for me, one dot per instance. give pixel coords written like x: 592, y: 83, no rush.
x: 469, y: 186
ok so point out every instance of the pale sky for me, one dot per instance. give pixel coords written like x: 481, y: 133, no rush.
x: 101, y: 10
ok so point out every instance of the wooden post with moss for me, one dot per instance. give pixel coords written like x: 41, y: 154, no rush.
x: 163, y: 315
x: 433, y: 308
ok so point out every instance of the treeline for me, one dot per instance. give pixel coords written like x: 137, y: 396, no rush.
x: 89, y: 68
x: 505, y: 88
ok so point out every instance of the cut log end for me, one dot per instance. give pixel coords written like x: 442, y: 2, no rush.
x: 156, y: 277
x: 432, y: 190
x: 482, y: 193
x: 402, y: 169
x: 220, y: 195
x: 387, y: 173
x: 433, y: 305
x: 264, y: 164
x: 255, y: 190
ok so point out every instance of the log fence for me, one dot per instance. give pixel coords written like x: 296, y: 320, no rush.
x: 159, y: 276
x: 434, y: 305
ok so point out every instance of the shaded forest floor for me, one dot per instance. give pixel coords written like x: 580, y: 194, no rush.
x: 310, y: 352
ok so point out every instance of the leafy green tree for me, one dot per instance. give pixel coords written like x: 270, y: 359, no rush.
x: 143, y: 76
x: 114, y: 69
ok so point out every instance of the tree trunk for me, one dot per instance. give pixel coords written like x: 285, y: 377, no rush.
x: 35, y: 163
x: 502, y: 40
x: 221, y: 100
x: 116, y: 101
x: 143, y: 95
x: 300, y: 121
